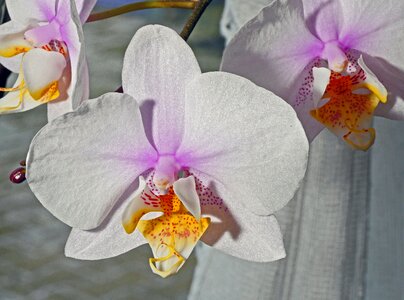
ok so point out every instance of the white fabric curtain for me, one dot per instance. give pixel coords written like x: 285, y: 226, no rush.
x: 342, y: 231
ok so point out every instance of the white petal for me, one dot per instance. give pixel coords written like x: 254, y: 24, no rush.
x: 238, y: 12
x: 185, y: 189
x: 41, y: 35
x: 26, y: 12
x: 321, y: 79
x: 84, y: 8
x: 374, y: 27
x: 273, y: 50
x: 372, y: 82
x: 12, y: 40
x: 41, y: 69
x: 234, y: 229
x: 259, y: 238
x: 391, y: 77
x: 109, y: 240
x: 12, y: 63
x: 78, y: 83
x: 81, y: 163
x: 324, y: 18
x: 157, y: 66
x: 246, y: 138
x: 137, y: 208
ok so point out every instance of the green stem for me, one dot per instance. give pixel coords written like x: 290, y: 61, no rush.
x: 194, y: 18
x: 191, y: 4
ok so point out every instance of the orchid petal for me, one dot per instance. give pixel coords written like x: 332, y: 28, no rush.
x: 323, y: 18
x: 277, y: 61
x: 260, y: 239
x: 321, y: 79
x: 185, y: 189
x: 245, y: 137
x: 89, y: 141
x: 12, y: 41
x: 42, y: 70
x: 26, y: 12
x: 234, y: 229
x: 238, y: 12
x: 12, y: 63
x: 143, y: 202
x: 374, y: 28
x: 41, y: 35
x: 372, y: 83
x: 392, y: 79
x: 108, y: 240
x: 158, y: 65
x: 84, y: 8
x: 77, y: 83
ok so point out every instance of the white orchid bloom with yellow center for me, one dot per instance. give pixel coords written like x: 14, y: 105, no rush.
x: 337, y: 62
x: 219, y: 155
x: 43, y: 43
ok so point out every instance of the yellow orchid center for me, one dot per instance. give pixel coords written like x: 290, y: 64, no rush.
x: 171, y: 236
x: 350, y: 104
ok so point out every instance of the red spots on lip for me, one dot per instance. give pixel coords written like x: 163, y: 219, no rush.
x: 207, y: 196
x: 305, y: 90
x: 344, y: 109
x: 348, y: 114
x: 56, y: 46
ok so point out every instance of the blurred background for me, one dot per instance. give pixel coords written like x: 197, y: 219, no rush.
x: 32, y: 263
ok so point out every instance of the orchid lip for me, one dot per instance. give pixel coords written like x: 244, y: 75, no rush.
x: 351, y: 101
x: 174, y: 234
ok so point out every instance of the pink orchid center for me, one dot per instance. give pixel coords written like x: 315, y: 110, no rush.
x: 165, y: 172
x: 336, y: 58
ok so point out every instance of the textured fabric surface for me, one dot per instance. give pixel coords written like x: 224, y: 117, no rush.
x: 385, y: 259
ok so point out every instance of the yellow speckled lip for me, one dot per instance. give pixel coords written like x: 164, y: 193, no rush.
x: 171, y: 236
x: 348, y: 114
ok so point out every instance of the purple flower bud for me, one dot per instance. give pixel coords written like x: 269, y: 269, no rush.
x: 18, y: 175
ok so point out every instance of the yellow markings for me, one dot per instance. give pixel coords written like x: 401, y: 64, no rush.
x: 174, y: 267
x: 169, y: 236
x: 46, y: 94
x: 360, y: 139
x: 131, y: 225
x: 14, y: 50
x: 347, y: 114
x: 381, y: 96
x: 22, y: 92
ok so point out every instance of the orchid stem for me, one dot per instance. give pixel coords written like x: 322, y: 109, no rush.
x: 194, y: 18
x: 190, y: 4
